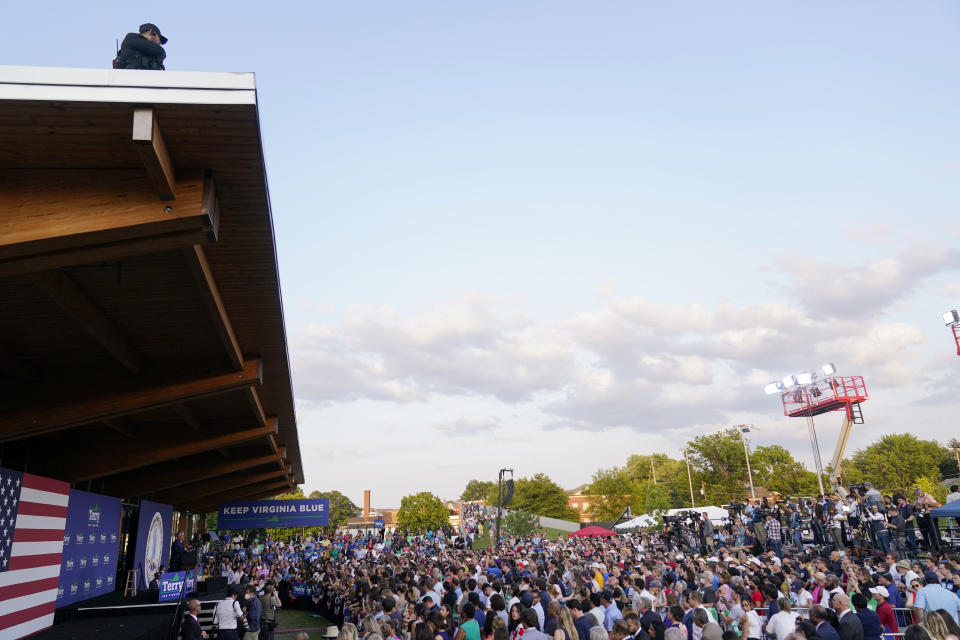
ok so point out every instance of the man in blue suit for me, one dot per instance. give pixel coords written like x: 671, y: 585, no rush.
x: 819, y: 617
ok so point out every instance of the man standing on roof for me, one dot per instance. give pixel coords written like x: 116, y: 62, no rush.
x: 142, y: 50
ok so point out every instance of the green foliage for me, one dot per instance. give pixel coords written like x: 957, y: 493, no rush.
x: 611, y: 492
x: 519, y: 523
x: 422, y: 511
x: 775, y: 469
x: 211, y: 519
x: 341, y: 507
x: 654, y: 499
x: 479, y: 490
x: 719, y: 466
x: 894, y: 462
x: 542, y: 496
x: 670, y: 474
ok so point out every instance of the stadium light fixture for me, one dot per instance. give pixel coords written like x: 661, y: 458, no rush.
x: 789, y: 381
x: 828, y: 369
x: 951, y: 318
x: 774, y: 387
x: 805, y: 377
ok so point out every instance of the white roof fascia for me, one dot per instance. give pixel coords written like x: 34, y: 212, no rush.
x: 126, y: 85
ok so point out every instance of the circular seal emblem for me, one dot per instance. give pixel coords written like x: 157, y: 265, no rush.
x: 153, y: 555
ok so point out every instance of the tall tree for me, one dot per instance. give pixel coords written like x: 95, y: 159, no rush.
x: 670, y: 475
x: 341, y: 507
x: 477, y: 490
x: 542, y: 496
x: 774, y: 468
x: 611, y: 492
x: 422, y: 510
x: 720, y: 466
x: 895, y: 461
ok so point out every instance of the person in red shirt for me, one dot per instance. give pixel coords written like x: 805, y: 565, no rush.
x: 887, y: 617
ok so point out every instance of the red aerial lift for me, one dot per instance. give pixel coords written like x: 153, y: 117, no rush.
x: 952, y: 320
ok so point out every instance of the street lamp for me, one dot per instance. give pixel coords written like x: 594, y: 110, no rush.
x: 693, y: 504
x: 740, y: 430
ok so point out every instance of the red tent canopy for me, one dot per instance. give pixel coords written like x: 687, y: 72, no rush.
x: 589, y: 532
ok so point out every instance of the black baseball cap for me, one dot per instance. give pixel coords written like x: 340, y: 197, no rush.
x: 149, y: 26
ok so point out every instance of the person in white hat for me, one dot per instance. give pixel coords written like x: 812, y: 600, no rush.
x: 332, y: 632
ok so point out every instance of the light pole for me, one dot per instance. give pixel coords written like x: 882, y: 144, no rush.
x: 816, y: 452
x: 693, y: 504
x: 496, y: 542
x: 742, y: 429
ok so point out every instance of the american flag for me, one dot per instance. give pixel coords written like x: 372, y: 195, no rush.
x: 33, y: 516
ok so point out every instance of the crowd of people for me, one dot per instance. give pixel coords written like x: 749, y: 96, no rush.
x: 750, y: 577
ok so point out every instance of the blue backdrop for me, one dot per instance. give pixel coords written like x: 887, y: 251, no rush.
x: 273, y: 514
x: 154, y: 536
x: 90, y: 543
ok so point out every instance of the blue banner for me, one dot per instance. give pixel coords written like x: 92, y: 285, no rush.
x: 172, y: 584
x: 154, y: 537
x: 88, y: 566
x: 378, y: 523
x: 274, y: 514
x: 300, y: 589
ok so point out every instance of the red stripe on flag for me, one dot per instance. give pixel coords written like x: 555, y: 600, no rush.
x: 37, y: 509
x: 32, y: 562
x: 46, y: 484
x: 37, y: 535
x: 26, y: 615
x: 26, y: 588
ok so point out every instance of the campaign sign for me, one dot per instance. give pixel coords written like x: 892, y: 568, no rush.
x: 274, y: 514
x: 300, y: 589
x: 154, y: 536
x: 172, y: 584
x: 90, y: 538
x: 378, y: 523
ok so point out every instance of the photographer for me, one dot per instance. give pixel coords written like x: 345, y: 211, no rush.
x: 269, y: 603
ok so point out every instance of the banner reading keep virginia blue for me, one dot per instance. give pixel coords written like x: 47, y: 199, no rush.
x: 273, y: 514
x: 153, y: 538
x: 171, y: 584
x: 88, y: 566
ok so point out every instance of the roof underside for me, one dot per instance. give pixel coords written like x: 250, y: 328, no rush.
x: 132, y: 335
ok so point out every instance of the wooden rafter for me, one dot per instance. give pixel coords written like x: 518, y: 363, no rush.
x: 77, y: 305
x: 143, y: 395
x: 200, y: 490
x: 51, y: 219
x: 148, y: 140
x: 151, y: 479
x: 99, y: 460
x: 264, y: 491
x: 196, y: 260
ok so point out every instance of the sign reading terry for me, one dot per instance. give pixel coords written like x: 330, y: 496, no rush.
x: 274, y: 514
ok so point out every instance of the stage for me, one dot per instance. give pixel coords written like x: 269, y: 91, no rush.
x: 118, y: 618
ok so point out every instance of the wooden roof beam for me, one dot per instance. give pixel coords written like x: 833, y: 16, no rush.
x: 151, y: 480
x: 77, y: 305
x: 189, y: 417
x: 142, y: 395
x: 99, y: 460
x: 263, y: 491
x: 199, y: 267
x: 58, y: 218
x: 196, y: 492
x: 152, y: 150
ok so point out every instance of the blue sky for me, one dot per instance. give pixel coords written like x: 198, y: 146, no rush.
x: 587, y: 228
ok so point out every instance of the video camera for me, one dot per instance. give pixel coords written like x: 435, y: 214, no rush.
x: 858, y: 489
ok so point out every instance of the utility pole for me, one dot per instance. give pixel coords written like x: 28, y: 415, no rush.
x: 693, y: 504
x: 496, y: 542
x: 653, y: 472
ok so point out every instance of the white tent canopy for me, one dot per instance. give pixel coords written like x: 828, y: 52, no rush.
x: 646, y: 520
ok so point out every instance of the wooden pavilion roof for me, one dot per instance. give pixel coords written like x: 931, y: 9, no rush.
x: 142, y: 341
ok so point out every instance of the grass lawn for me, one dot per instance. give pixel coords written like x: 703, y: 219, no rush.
x: 292, y: 620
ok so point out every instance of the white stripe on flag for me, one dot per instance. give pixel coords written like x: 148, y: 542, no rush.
x: 25, y: 602
x: 27, y: 575
x: 44, y: 497
x: 35, y: 548
x: 41, y: 522
x: 26, y: 628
